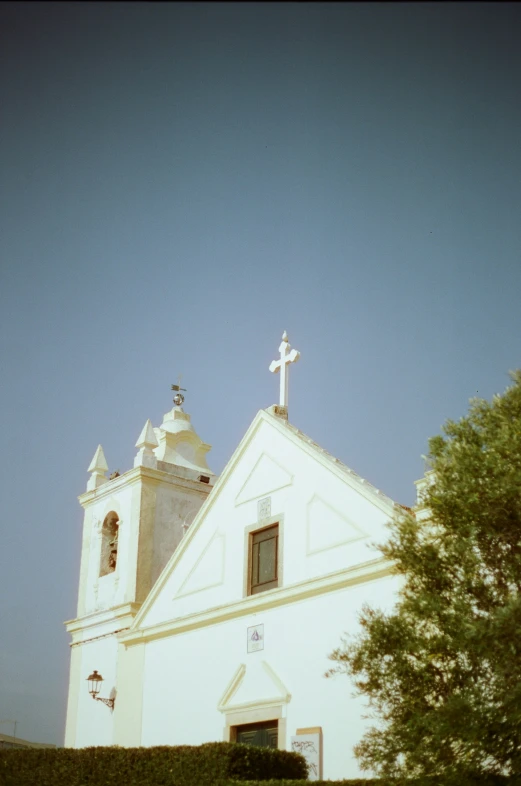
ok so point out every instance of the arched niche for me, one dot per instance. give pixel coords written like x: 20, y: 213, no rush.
x: 109, y: 543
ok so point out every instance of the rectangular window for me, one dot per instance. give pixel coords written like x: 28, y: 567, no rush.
x: 264, y: 547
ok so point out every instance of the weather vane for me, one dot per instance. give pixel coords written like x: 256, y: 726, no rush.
x: 178, y: 398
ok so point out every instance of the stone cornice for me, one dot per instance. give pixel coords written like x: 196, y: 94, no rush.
x: 102, y: 621
x: 368, y: 571
x: 137, y: 474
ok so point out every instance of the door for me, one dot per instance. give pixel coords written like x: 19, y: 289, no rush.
x: 264, y: 735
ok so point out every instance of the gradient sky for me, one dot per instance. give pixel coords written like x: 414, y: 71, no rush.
x: 179, y: 184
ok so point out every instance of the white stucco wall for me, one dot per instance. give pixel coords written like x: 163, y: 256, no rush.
x: 151, y: 510
x: 329, y: 524
x: 93, y: 721
x: 97, y: 592
x: 186, y: 675
x: 188, y: 642
x: 151, y: 515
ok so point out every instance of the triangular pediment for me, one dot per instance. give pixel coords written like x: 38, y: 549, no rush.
x: 253, y: 685
x: 267, y: 476
x: 317, y: 502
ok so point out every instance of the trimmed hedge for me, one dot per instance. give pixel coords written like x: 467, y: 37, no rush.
x: 211, y: 764
x: 491, y: 780
x: 352, y: 782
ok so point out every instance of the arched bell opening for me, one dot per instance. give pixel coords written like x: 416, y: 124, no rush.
x: 109, y: 544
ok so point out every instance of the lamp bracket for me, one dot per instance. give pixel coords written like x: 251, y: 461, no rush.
x: 108, y: 702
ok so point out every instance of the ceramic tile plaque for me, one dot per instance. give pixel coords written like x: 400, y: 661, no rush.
x: 264, y: 508
x: 309, y: 745
x: 255, y: 638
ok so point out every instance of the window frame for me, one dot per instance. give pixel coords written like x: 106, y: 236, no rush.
x: 249, y: 532
x: 258, y: 537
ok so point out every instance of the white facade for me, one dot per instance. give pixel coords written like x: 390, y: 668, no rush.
x: 171, y: 640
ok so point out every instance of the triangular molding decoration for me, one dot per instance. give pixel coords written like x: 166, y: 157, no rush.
x: 266, y: 476
x: 246, y: 686
x: 208, y: 571
x: 231, y: 688
x: 327, y: 528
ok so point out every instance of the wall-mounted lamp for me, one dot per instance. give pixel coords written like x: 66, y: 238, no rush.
x: 95, y: 681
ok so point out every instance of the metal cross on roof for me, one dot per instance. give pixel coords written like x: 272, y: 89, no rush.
x: 287, y: 356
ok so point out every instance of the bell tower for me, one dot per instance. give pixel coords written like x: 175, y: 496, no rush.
x: 133, y: 523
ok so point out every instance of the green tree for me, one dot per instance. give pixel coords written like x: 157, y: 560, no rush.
x: 442, y: 672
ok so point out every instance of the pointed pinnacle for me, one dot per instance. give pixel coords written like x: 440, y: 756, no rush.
x: 147, y: 438
x: 98, y: 463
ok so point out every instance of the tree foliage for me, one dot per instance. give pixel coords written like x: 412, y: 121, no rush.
x: 442, y: 671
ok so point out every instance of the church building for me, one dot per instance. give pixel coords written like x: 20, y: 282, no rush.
x: 207, y: 606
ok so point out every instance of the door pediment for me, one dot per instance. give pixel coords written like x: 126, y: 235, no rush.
x: 255, y: 685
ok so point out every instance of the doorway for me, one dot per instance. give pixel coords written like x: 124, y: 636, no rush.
x: 263, y: 735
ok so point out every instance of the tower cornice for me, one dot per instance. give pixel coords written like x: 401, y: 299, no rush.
x: 140, y: 474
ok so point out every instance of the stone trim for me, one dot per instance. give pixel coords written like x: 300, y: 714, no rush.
x: 96, y: 638
x: 253, y: 604
x: 142, y: 474
x: 248, y: 531
x: 255, y: 714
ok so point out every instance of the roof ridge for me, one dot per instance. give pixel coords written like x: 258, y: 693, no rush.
x: 344, y: 467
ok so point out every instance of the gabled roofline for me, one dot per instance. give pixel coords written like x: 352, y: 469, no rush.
x: 203, y: 510
x: 328, y: 461
x: 299, y: 439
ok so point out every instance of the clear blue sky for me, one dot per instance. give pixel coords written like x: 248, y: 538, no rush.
x: 179, y: 184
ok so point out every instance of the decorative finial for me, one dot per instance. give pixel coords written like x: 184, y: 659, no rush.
x: 146, y: 442
x: 98, y: 463
x: 287, y: 356
x: 98, y: 466
x: 178, y: 398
